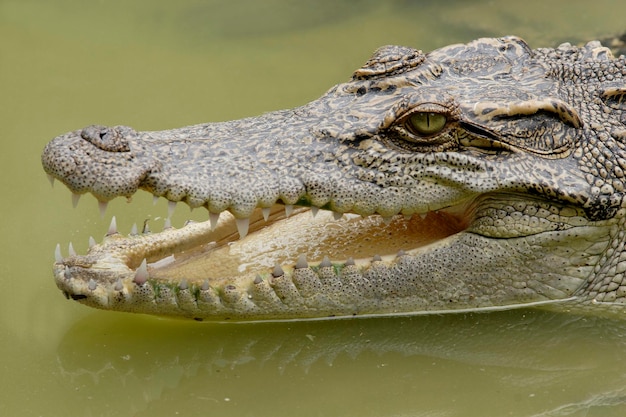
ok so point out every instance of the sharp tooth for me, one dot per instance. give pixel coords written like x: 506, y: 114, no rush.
x: 387, y: 220
x: 92, y: 242
x: 377, y: 258
x: 278, y: 271
x: 314, y: 211
x: 242, y: 227
x: 141, y: 275
x: 302, y: 263
x: 288, y: 210
x: 51, y: 179
x: 71, y: 250
x: 213, y: 218
x: 325, y: 262
x: 422, y: 216
x: 133, y: 230
x: 337, y: 215
x: 118, y: 285
x: 408, y: 216
x: 112, y: 227
x: 171, y: 206
x: 168, y: 224
x: 266, y: 213
x: 75, y: 198
x: 155, y: 199
x: 350, y: 262
x: 67, y: 273
x: 57, y: 254
x: 163, y: 261
x: 205, y: 285
x: 92, y: 284
x: 258, y: 279
x: 102, y: 206
x: 146, y: 228
x: 183, y: 284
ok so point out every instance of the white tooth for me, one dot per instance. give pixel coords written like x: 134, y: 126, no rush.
x: 57, y: 254
x: 51, y: 179
x: 92, y: 284
x: 112, y: 227
x: 92, y: 242
x: 314, y: 211
x: 422, y: 216
x: 163, y: 262
x: 118, y: 285
x: 302, y: 263
x: 75, y: 198
x: 146, y: 228
x: 213, y: 219
x: 387, y: 220
x: 337, y: 215
x: 71, y: 250
x: 278, y: 271
x: 183, y: 284
x: 242, y: 227
x: 288, y: 210
x: 133, y: 230
x: 155, y: 199
x: 102, y: 206
x: 141, y: 274
x: 266, y: 213
x: 171, y: 206
x: 168, y: 224
x: 408, y: 216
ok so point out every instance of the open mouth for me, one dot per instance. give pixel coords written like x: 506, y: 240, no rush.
x: 284, y: 241
x: 276, y: 238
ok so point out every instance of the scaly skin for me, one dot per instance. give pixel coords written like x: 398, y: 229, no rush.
x: 478, y: 176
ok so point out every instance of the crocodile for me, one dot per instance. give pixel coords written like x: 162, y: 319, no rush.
x: 475, y: 177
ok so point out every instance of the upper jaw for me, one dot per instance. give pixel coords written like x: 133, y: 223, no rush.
x: 239, y: 174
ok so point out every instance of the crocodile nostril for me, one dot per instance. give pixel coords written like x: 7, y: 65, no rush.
x: 78, y: 296
x: 109, y: 139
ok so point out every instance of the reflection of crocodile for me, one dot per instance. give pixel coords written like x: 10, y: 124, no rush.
x: 485, y: 175
x: 154, y: 365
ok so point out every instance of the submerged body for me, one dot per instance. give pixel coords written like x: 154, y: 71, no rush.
x: 477, y: 176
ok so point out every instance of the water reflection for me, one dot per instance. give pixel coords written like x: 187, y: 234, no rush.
x: 530, y: 362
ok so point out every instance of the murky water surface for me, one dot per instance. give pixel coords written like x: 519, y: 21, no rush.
x: 153, y: 64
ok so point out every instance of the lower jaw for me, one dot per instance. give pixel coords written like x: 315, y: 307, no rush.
x: 195, y: 256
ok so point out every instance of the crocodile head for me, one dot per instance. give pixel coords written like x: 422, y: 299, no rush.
x: 477, y: 176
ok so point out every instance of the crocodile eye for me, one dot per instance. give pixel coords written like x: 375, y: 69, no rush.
x: 425, y: 123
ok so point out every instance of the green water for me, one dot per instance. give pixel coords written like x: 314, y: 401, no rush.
x: 65, y: 64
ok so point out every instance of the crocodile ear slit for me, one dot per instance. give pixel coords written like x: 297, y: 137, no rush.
x: 564, y: 111
x: 614, y: 97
